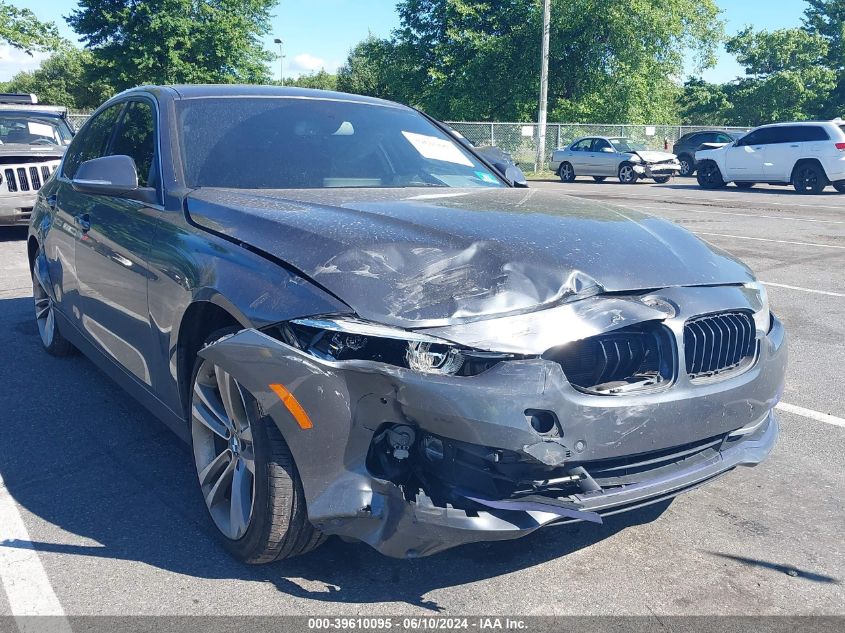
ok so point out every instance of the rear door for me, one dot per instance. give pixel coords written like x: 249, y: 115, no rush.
x: 789, y: 144
x: 744, y: 160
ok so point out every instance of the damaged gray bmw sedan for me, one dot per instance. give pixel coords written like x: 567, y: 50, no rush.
x: 364, y: 329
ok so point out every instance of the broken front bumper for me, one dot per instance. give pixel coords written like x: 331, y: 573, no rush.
x: 658, y: 170
x: 617, y: 452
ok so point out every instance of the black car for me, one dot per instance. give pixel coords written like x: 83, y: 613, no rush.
x: 686, y: 146
x: 363, y: 330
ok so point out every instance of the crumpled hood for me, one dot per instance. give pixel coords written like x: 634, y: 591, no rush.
x: 24, y: 149
x: 651, y: 156
x: 426, y: 257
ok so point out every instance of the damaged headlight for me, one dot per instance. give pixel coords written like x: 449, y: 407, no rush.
x: 336, y: 339
x: 759, y: 299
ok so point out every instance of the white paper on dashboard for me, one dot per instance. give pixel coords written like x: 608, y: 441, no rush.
x: 437, y: 148
x: 40, y: 129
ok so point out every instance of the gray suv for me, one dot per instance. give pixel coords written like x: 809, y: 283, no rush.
x: 686, y: 146
x: 33, y: 139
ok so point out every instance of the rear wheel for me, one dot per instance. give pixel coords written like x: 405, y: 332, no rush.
x: 627, y: 175
x: 599, y: 178
x: 661, y: 180
x: 744, y: 185
x: 808, y: 178
x: 246, y: 472
x: 566, y: 172
x: 45, y: 318
x: 687, y: 165
x: 709, y: 176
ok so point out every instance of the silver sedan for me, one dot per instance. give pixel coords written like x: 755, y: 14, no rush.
x: 603, y: 156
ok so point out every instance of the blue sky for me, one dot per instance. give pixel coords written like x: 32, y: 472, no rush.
x: 319, y: 33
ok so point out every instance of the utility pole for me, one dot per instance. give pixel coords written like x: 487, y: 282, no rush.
x: 540, y: 160
x: 281, y: 61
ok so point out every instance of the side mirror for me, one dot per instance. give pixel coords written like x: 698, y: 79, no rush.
x: 514, y: 175
x: 107, y: 176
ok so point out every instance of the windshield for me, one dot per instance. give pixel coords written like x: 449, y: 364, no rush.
x: 28, y: 129
x: 295, y: 143
x: 627, y: 145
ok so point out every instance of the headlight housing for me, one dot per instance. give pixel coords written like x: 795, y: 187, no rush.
x: 342, y: 338
x: 759, y: 299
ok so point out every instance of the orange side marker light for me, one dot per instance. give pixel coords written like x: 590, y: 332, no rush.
x: 292, y: 405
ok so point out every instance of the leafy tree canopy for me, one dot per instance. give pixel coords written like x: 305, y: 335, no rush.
x: 68, y: 77
x: 176, y: 41
x: 21, y: 29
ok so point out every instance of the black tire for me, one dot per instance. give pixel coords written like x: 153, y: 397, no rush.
x: 566, y: 172
x: 839, y: 186
x: 687, y: 165
x: 744, y: 185
x: 662, y: 180
x: 809, y: 178
x: 599, y: 178
x: 626, y: 173
x: 278, y: 526
x: 709, y: 176
x: 52, y: 340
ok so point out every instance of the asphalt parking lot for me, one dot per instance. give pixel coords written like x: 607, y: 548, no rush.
x: 99, y: 512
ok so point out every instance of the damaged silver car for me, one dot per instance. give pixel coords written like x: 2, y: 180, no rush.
x: 603, y: 156
x: 364, y: 329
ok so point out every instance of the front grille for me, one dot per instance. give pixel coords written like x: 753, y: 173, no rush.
x: 718, y: 343
x: 27, y: 178
x: 621, y: 361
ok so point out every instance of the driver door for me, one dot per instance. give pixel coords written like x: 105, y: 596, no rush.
x: 745, y: 160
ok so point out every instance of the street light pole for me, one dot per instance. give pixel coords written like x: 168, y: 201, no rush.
x: 544, y: 88
x: 281, y: 61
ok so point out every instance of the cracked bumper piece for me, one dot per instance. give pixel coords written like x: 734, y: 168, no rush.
x: 471, y: 467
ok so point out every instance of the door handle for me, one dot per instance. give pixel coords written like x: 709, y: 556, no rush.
x: 83, y: 221
x: 794, y: 146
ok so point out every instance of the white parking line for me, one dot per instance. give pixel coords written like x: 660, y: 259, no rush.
x: 23, y: 577
x: 813, y: 290
x: 809, y: 413
x: 765, y: 239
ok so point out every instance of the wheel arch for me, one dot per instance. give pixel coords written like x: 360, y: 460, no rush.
x: 204, y: 316
x: 807, y: 160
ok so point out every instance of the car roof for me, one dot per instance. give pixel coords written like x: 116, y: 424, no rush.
x: 203, y: 91
x: 836, y: 122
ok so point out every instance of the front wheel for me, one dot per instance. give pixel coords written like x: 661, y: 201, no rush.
x: 246, y: 472
x: 566, y: 172
x: 627, y: 175
x: 687, y: 165
x: 661, y: 180
x: 809, y: 178
x: 709, y: 176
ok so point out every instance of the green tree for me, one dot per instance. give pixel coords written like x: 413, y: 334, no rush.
x: 704, y: 103
x: 176, y: 41
x: 21, y: 29
x: 68, y: 77
x: 320, y: 81
x: 479, y: 59
x: 788, y: 76
x: 826, y: 18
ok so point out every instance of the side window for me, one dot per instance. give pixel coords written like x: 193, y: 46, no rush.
x: 724, y: 138
x: 92, y: 142
x: 762, y: 136
x: 695, y: 140
x: 809, y: 133
x: 783, y: 134
x: 136, y: 138
x: 584, y: 145
x: 600, y: 145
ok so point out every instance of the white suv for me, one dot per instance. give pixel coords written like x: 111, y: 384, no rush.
x: 809, y: 155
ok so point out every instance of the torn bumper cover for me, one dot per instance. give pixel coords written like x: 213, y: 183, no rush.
x: 415, y: 463
x: 659, y: 169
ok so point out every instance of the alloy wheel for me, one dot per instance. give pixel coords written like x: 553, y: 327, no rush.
x: 223, y: 416
x: 807, y: 179
x: 686, y: 169
x: 626, y: 174
x: 45, y: 316
x: 566, y: 172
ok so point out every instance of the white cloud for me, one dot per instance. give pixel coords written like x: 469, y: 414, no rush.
x: 13, y: 61
x: 306, y: 63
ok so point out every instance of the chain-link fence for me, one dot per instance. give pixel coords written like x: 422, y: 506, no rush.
x: 520, y: 139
